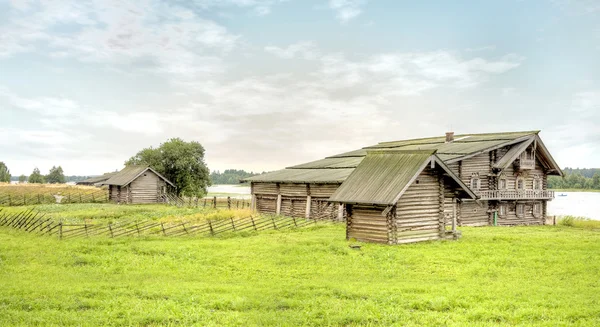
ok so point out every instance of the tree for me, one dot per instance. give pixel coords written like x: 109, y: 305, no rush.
x: 180, y: 162
x: 596, y: 181
x: 4, y: 173
x: 22, y: 179
x: 56, y: 175
x: 36, y: 177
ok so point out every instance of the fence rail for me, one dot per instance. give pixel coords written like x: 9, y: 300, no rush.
x: 30, y: 198
x: 207, y: 202
x: 34, y: 222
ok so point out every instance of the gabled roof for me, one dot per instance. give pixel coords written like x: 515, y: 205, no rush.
x: 324, y: 176
x: 464, y: 146
x: 384, y: 175
x: 512, y: 154
x: 130, y: 173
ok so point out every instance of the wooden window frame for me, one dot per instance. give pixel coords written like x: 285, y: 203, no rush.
x: 520, y: 179
x: 502, y: 210
x: 537, y: 209
x: 537, y: 183
x: 500, y: 181
x: 475, y: 180
x: 522, y: 207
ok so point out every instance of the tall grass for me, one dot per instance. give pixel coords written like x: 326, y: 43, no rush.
x: 581, y: 222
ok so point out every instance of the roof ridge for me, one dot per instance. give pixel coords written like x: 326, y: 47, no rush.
x: 400, y: 151
x: 459, y: 135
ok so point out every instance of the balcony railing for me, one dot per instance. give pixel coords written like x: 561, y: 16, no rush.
x: 523, y: 163
x: 516, y: 194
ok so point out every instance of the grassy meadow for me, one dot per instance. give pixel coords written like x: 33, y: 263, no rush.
x: 543, y: 276
x: 111, y: 212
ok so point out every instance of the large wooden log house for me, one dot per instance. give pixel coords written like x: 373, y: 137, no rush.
x: 138, y: 184
x: 472, y: 180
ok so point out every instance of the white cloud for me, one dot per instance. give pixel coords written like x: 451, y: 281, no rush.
x: 303, y: 49
x: 175, y: 40
x: 347, y: 10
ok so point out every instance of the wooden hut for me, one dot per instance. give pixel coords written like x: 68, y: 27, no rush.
x: 396, y: 196
x: 138, y: 184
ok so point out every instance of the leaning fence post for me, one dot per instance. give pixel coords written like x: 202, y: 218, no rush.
x: 229, y: 203
x: 60, y: 229
x: 253, y: 225
x: 162, y: 225
x: 212, y: 232
x: 215, y: 202
x: 273, y: 220
x: 110, y: 229
x: 204, y: 202
x: 232, y: 223
x: 85, y: 226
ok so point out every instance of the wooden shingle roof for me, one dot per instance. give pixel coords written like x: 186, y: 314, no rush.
x: 384, y: 175
x: 130, y: 173
x: 462, y: 147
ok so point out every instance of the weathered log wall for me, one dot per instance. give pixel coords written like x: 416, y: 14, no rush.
x: 119, y: 194
x: 294, y: 198
x: 479, y: 164
x: 510, y: 218
x: 473, y: 214
x: 367, y: 224
x: 418, y: 210
x: 146, y: 188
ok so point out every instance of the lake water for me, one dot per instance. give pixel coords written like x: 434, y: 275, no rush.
x: 583, y: 204
x: 234, y: 191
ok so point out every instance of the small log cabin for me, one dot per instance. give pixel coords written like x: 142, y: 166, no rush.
x: 138, y: 184
x: 507, y: 173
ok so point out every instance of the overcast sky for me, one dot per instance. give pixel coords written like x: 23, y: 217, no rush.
x: 264, y: 84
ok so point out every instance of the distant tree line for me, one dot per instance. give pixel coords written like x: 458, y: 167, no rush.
x: 54, y: 176
x: 575, y: 178
x: 230, y: 176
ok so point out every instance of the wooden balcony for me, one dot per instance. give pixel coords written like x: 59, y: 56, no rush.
x: 516, y: 195
x: 523, y: 163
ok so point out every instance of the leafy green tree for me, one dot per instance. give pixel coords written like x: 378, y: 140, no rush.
x: 4, y: 173
x: 36, y: 177
x: 180, y: 162
x: 56, y: 175
x: 229, y: 176
x: 596, y: 181
x: 22, y: 179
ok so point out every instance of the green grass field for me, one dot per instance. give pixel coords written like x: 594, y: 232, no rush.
x: 543, y: 276
x: 110, y: 212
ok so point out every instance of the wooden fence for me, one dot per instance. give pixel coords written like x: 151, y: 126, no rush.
x: 209, y: 202
x: 35, y: 222
x: 27, y: 198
